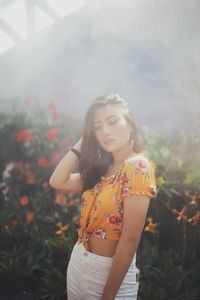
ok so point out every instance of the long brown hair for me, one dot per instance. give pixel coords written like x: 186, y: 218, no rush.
x: 92, y: 167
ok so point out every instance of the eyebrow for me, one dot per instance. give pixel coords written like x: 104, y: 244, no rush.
x: 106, y: 117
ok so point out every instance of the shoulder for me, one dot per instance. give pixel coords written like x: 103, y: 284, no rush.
x: 139, y: 162
x: 139, y: 176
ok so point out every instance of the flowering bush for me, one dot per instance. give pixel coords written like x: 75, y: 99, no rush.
x: 38, y: 225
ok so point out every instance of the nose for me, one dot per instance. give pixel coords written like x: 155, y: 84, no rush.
x: 106, y: 130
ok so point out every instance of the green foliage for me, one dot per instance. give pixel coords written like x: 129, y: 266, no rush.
x: 54, y: 278
x: 38, y: 225
x: 171, y: 279
x: 32, y: 249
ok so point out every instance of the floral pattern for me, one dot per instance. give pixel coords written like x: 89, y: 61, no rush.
x: 100, y: 233
x: 83, y: 202
x: 113, y: 219
x: 116, y: 200
x: 98, y: 188
x: 140, y: 166
x: 102, y: 206
x: 125, y: 191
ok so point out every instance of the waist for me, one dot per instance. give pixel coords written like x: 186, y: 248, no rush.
x: 101, y: 246
x: 98, y: 245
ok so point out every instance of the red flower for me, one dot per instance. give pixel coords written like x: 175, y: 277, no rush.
x: 56, y: 157
x: 24, y: 200
x: 142, y: 164
x: 15, y: 223
x: 98, y: 187
x: 66, y: 143
x: 100, y: 233
x: 29, y: 217
x: 113, y: 219
x: 43, y: 162
x: 22, y: 134
x: 83, y: 202
x: 116, y: 200
x: 125, y: 191
x: 52, y: 134
x: 122, y: 178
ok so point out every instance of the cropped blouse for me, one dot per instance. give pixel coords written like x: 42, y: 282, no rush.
x: 102, y: 205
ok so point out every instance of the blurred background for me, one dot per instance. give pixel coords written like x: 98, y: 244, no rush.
x: 56, y: 56
x: 73, y: 51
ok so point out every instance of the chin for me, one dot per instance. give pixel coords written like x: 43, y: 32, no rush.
x: 108, y: 148
x: 112, y: 149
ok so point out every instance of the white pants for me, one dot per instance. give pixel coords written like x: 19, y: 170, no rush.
x: 87, y: 274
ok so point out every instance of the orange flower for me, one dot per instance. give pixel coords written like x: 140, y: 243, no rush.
x: 55, y: 115
x: 6, y: 229
x: 24, y: 200
x: 62, y: 229
x: 43, y: 162
x: 21, y: 135
x: 194, y: 198
x: 45, y: 184
x: 151, y: 226
x: 194, y: 220
x: 15, y: 223
x: 30, y: 179
x: 60, y: 198
x: 29, y: 217
x: 180, y: 213
x: 52, y: 134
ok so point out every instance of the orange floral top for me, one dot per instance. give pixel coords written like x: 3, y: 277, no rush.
x: 102, y: 206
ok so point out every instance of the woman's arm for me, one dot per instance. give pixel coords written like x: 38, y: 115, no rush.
x: 65, y: 167
x: 135, y: 211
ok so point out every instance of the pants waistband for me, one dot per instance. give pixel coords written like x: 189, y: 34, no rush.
x: 95, y: 257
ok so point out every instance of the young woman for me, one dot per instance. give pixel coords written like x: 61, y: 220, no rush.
x: 117, y: 182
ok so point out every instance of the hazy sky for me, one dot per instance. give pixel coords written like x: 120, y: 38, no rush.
x: 146, y: 50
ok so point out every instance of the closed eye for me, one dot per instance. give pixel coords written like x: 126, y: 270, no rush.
x: 113, y: 123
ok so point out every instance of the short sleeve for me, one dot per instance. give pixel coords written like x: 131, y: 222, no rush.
x: 139, y: 177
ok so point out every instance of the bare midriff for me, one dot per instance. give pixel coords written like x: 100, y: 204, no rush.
x: 102, y: 246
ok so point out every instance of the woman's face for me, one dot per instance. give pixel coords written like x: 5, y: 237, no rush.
x: 111, y: 129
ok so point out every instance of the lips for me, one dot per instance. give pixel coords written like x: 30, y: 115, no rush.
x: 108, y: 141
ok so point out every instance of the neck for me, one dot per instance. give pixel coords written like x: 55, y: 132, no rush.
x: 120, y: 155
